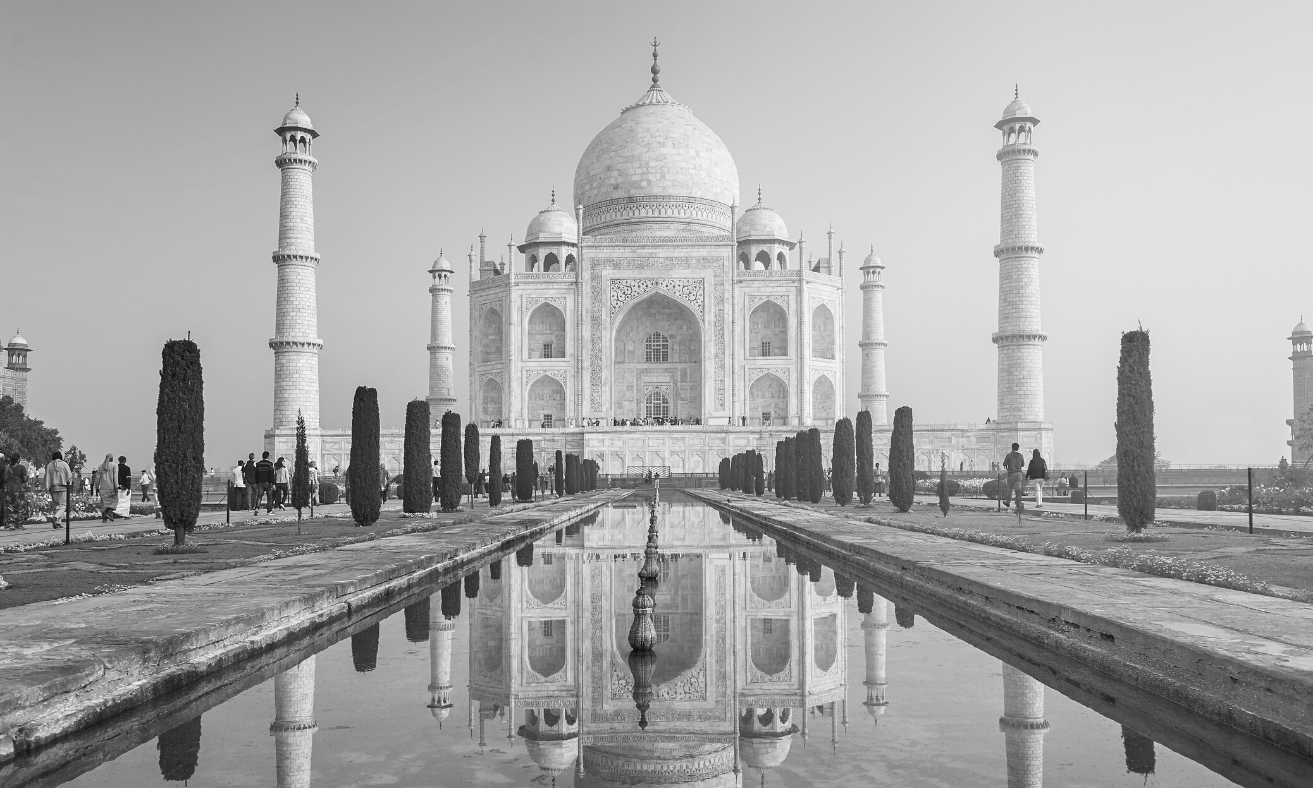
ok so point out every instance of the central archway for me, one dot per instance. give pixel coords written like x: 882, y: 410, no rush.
x: 657, y: 361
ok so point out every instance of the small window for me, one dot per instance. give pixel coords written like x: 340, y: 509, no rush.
x: 765, y: 418
x: 547, y: 419
x: 547, y: 629
x: 547, y: 350
x: 658, y: 347
x: 765, y: 348
x: 767, y: 626
x: 661, y: 621
x: 656, y: 406
x: 547, y: 559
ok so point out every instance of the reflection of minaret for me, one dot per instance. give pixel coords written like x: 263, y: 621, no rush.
x: 1024, y: 726
x: 440, y: 633
x: 294, y: 726
x: 875, y: 627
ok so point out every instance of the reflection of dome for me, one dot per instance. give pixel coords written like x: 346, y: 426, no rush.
x: 765, y: 753
x: 440, y: 712
x: 760, y: 222
x: 675, y: 760
x: 553, y: 223
x: 553, y: 757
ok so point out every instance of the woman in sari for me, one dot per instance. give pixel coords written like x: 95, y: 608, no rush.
x: 107, y: 485
x: 15, y: 480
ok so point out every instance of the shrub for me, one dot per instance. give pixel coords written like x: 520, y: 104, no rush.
x: 1139, y: 753
x: 472, y: 460
x: 842, y: 463
x: 180, y: 437
x: 180, y: 749
x: 524, y: 475
x: 328, y: 493
x: 417, y: 459
x: 1206, y: 501
x: 1077, y: 496
x: 905, y: 615
x: 451, y: 461
x: 865, y: 458
x: 362, y: 474
x: 1136, y: 488
x: 902, y: 458
x: 494, y: 471
x: 301, y: 469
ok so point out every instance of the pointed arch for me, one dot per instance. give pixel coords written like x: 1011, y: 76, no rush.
x: 823, y: 404
x: 491, y: 340
x: 768, y: 400
x: 569, y: 262
x: 762, y: 260
x: 768, y: 330
x: 551, y: 262
x: 823, y: 332
x: 546, y: 332
x: 743, y: 261
x: 546, y: 402
x: 531, y: 263
x: 490, y: 400
x: 783, y: 260
x: 769, y: 644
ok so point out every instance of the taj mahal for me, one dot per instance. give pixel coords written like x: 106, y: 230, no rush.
x: 652, y: 324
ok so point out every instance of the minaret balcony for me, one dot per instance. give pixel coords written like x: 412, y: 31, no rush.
x: 1018, y: 249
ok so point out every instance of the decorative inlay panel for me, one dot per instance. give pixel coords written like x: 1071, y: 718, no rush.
x: 532, y: 302
x: 821, y: 373
x: 530, y: 375
x: 783, y: 373
x: 773, y: 273
x: 689, y: 685
x: 829, y: 304
x: 757, y: 677
x: 755, y: 300
x: 484, y: 377
x: 688, y: 291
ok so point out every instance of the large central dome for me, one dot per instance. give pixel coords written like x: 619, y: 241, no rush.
x: 655, y: 151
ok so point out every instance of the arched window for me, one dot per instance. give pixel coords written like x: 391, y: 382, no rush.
x: 550, y: 262
x: 763, y: 259
x: 743, y: 261
x: 532, y: 264
x: 569, y: 262
x: 658, y: 348
x: 656, y: 406
x: 782, y: 260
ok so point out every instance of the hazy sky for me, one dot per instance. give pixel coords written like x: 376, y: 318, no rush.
x: 139, y: 199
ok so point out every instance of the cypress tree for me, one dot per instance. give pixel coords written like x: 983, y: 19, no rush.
x: 800, y: 478
x: 451, y: 461
x: 784, y: 471
x: 570, y: 476
x: 865, y: 599
x: 301, y: 469
x: 180, y: 749
x: 524, y: 470
x: 1136, y: 487
x: 362, y: 473
x: 364, y: 647
x: 180, y: 437
x: 841, y: 464
x: 576, y: 469
x: 472, y: 460
x: 1140, y: 757
x: 844, y: 585
x: 905, y: 615
x: 451, y: 600
x: 865, y: 458
x: 472, y: 585
x: 494, y: 471
x: 816, y: 484
x: 730, y: 481
x: 779, y: 465
x: 524, y: 556
x: 417, y: 615
x: 944, y: 504
x: 558, y: 474
x: 417, y: 459
x: 760, y: 470
x: 902, y: 460
x: 724, y: 472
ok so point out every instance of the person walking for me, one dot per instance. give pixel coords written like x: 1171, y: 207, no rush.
x: 313, y: 482
x: 125, y: 488
x: 282, y: 480
x: 252, y: 485
x: 879, y: 480
x: 437, y: 481
x: 107, y: 485
x: 59, y: 483
x: 239, y: 486
x: 383, y: 481
x: 264, y: 484
x: 14, y: 479
x: 1015, y: 465
x: 145, y: 482
x: 478, y: 484
x: 1036, y: 474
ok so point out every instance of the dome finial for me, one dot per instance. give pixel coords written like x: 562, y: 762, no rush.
x: 1016, y: 91
x: 553, y: 195
x: 298, y: 98
x: 656, y: 70
x: 759, y: 193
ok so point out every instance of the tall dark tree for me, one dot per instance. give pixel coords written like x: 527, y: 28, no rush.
x: 472, y: 585
x: 364, y: 646
x: 417, y: 459
x: 724, y: 472
x: 865, y: 458
x: 779, y: 465
x: 451, y: 600
x: 1140, y: 758
x: 301, y: 469
x: 759, y: 473
x: 362, y: 473
x: 473, y: 462
x: 905, y: 616
x: 451, y: 461
x: 417, y: 617
x: 784, y: 473
x: 494, y: 471
x: 180, y: 749
x: 524, y: 556
x: 801, y: 479
x: 816, y: 470
x: 1136, y: 486
x: 524, y: 475
x: 571, y: 474
x: 180, y: 437
x: 944, y: 503
x: 902, y: 461
x: 558, y: 474
x: 842, y: 462
x: 865, y: 599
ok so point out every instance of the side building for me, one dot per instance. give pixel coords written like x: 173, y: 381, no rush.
x: 13, y: 378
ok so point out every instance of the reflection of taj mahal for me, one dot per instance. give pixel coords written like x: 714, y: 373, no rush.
x: 651, y: 323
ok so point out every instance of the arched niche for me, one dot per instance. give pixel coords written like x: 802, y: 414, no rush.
x: 783, y: 260
x: 488, y: 657
x: 822, y: 332
x: 769, y: 644
x: 547, y: 581
x: 654, y: 328
x: 531, y: 262
x: 551, y: 262
x: 824, y: 587
x: 744, y: 261
x: 762, y: 260
x: 569, y: 262
x: 546, y: 398
x: 679, y: 602
x: 768, y: 394
x: 490, y: 399
x: 825, y: 641
x: 769, y: 580
x: 768, y: 330
x: 490, y: 336
x: 546, y: 329
x: 546, y: 646
x: 823, y: 399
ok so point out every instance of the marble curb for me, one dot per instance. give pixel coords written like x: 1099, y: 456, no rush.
x: 68, y: 666
x: 1240, y: 659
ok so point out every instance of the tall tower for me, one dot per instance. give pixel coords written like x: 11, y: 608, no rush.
x: 296, y: 341
x: 1019, y: 338
x: 294, y: 724
x: 441, y: 630
x: 1301, y: 359
x: 13, y: 378
x: 873, y: 395
x: 1023, y: 727
x: 442, y: 375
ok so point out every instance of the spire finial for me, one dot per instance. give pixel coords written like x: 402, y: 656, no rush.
x: 759, y: 193
x: 1016, y: 91
x: 298, y: 98
x: 656, y: 70
x: 553, y: 195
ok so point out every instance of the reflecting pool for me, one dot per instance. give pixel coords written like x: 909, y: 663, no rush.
x: 768, y: 669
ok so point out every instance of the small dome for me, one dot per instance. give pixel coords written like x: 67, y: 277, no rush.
x: 1017, y: 109
x: 765, y: 753
x: 297, y: 119
x: 441, y: 264
x: 18, y: 340
x: 440, y: 713
x: 553, y: 223
x: 1300, y: 330
x: 552, y: 756
x: 871, y: 259
x: 760, y: 222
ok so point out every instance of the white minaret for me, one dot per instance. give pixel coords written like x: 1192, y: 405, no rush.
x: 441, y: 631
x: 296, y: 341
x: 873, y: 396
x: 1019, y: 338
x: 1301, y: 359
x: 1023, y: 727
x: 294, y: 725
x: 442, y: 375
x: 875, y: 629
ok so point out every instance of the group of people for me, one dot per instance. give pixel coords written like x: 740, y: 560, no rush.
x: 268, y: 481
x: 1022, y: 474
x: 111, y: 481
x: 656, y: 421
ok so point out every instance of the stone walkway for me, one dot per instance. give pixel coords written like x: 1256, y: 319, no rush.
x: 1291, y: 523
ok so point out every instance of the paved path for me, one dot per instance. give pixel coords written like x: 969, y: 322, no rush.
x: 1291, y: 523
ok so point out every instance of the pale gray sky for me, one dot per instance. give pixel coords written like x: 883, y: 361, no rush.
x: 140, y: 199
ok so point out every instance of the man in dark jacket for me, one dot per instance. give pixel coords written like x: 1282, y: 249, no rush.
x: 125, y: 475
x: 252, y: 491
x: 264, y: 484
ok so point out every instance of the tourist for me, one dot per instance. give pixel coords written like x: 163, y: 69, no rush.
x: 282, y: 479
x: 437, y: 481
x: 1015, y: 465
x: 383, y: 481
x: 1036, y: 473
x: 59, y: 482
x: 145, y: 482
x: 479, y: 481
x: 239, y: 484
x: 13, y: 475
x: 878, y: 476
x: 264, y: 484
x: 252, y: 484
x: 312, y: 479
x: 124, y: 508
x: 106, y: 481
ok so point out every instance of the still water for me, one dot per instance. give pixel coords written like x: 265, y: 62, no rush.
x: 764, y: 675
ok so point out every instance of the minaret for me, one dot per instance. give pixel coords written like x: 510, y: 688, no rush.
x: 442, y: 375
x: 441, y: 630
x: 294, y: 725
x: 875, y: 628
x: 1019, y: 338
x: 13, y: 382
x: 1301, y: 359
x: 873, y: 396
x: 1023, y: 727
x: 296, y: 341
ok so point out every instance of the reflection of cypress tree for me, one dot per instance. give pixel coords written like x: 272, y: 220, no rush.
x: 494, y: 570
x: 451, y: 600
x: 180, y: 748
x: 844, y: 585
x: 524, y: 556
x: 417, y: 621
x: 1139, y: 752
x: 364, y: 649
x: 472, y: 585
x: 865, y: 600
x: 905, y: 616
x: 814, y: 571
